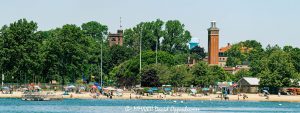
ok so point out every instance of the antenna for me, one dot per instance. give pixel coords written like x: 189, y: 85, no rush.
x: 120, y: 22
x: 199, y: 42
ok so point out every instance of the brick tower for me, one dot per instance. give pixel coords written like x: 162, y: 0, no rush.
x: 116, y: 38
x: 213, y: 44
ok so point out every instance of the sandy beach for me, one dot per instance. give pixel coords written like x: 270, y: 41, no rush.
x: 251, y: 97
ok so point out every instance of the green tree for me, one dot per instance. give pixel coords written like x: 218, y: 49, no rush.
x: 280, y: 71
x: 198, y: 52
x: 235, y: 56
x: 19, y: 52
x: 240, y: 74
x: 200, y: 74
x: 175, y: 37
x: 116, y: 55
x: 155, y: 75
x: 218, y: 74
x: 295, y: 56
x: 205, y: 75
x: 181, y: 76
x: 66, y: 54
x: 127, y: 73
x: 150, y: 32
x: 94, y: 29
x: 244, y: 52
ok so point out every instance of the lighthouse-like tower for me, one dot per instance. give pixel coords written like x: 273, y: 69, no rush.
x: 213, y: 44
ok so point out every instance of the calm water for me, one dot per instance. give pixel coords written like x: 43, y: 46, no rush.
x: 146, y: 106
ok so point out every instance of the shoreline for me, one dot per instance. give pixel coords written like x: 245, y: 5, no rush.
x: 185, y: 97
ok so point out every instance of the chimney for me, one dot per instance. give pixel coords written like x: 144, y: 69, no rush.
x: 213, y: 24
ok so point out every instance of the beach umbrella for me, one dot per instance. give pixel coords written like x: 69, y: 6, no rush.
x: 205, y: 89
x: 109, y: 88
x: 119, y: 90
x: 154, y: 88
x: 167, y: 89
x: 5, y: 88
x: 193, y: 91
x: 99, y: 87
x: 96, y: 84
x: 82, y: 88
x: 37, y: 87
x: 71, y: 87
x: 235, y: 84
x: 94, y: 87
x: 150, y: 91
x: 266, y: 91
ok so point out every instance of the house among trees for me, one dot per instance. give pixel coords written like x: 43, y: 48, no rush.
x: 222, y: 56
x: 248, y: 85
x: 233, y: 70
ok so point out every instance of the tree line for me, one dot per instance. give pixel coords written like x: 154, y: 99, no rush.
x: 275, y: 66
x: 71, y: 53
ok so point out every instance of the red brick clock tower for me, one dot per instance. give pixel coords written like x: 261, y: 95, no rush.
x: 213, y: 44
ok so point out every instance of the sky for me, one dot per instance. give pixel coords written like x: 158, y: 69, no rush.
x: 267, y: 21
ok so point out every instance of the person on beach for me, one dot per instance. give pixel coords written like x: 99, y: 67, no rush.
x: 267, y: 97
x: 110, y: 95
x: 107, y: 95
x: 245, y: 96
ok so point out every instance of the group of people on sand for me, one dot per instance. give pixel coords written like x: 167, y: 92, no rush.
x: 242, y: 95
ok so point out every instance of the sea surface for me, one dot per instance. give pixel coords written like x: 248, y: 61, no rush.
x: 144, y: 106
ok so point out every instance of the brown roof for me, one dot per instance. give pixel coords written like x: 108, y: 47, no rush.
x: 224, y: 49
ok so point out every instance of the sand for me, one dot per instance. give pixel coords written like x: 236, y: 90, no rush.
x: 184, y: 96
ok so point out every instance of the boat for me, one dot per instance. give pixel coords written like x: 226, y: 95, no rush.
x: 39, y: 96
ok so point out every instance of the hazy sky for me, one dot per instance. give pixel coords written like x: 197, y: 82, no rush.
x: 268, y: 21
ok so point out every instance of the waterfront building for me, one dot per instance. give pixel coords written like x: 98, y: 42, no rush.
x: 222, y: 55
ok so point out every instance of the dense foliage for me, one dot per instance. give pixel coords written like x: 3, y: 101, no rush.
x: 72, y: 53
x: 276, y: 67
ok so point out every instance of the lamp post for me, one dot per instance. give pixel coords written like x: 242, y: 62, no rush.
x: 101, y: 80
x: 156, y: 46
x: 2, y: 79
x: 141, y: 53
x: 101, y: 64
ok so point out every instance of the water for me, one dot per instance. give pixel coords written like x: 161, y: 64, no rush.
x: 140, y: 106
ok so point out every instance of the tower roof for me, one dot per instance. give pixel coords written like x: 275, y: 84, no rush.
x: 213, y: 26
